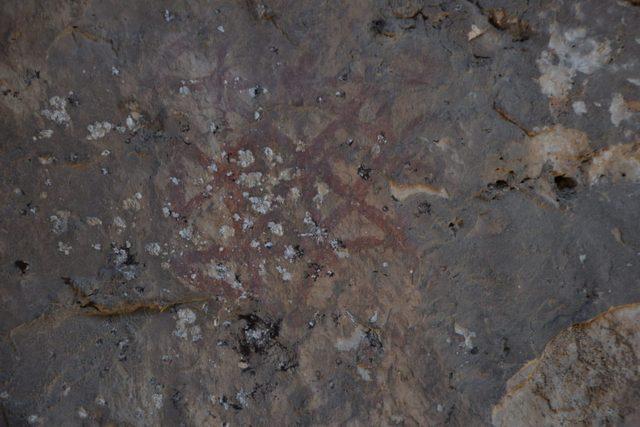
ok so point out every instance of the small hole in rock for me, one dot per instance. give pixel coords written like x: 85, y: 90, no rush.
x: 22, y: 266
x: 565, y: 183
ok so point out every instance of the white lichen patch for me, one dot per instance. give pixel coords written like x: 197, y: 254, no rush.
x: 227, y: 231
x: 261, y: 205
x: 184, y: 90
x: 132, y: 203
x: 133, y: 121
x: 568, y: 53
x: 364, y: 373
x: 157, y: 400
x: 64, y: 248
x: 245, y: 158
x: 272, y: 157
x: 44, y: 134
x: 57, y: 111
x: 294, y: 194
x: 475, y: 32
x: 119, y: 222
x: 284, y: 274
x: 220, y: 271
x: 93, y: 221
x: 60, y: 222
x: 579, y: 107
x: 322, y: 190
x: 185, y: 325
x: 619, y: 110
x: 186, y: 233
x: 466, y: 333
x: 339, y: 248
x: 153, y: 248
x: 247, y: 223
x: 250, y: 180
x: 98, y: 130
x: 289, y: 253
x: 275, y: 228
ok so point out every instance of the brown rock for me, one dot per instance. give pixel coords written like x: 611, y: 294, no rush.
x: 588, y: 374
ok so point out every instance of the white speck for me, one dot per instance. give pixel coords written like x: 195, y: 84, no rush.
x: 618, y: 110
x: 474, y: 33
x: 294, y: 194
x: 64, y: 248
x: 260, y: 204
x: 221, y: 28
x: 186, y: 233
x: 250, y: 180
x: 58, y: 112
x: 579, y: 107
x: 115, y: 71
x: 196, y: 333
x: 227, y: 231
x: 98, y: 130
x: 119, y: 222
x: 82, y: 413
x: 168, y: 16
x: 275, y: 228
x: 33, y: 419
x: 94, y: 221
x: 255, y: 244
x: 174, y: 180
x: 247, y: 223
x: 60, y: 222
x: 364, y: 373
x: 256, y: 115
x: 374, y: 317
x: 133, y: 121
x: 467, y: 334
x: 568, y: 53
x: 105, y: 153
x: 97, y: 246
x: 634, y: 81
x: 289, y: 253
x: 45, y: 134
x: 153, y: 248
x: 286, y: 276
x: 582, y: 258
x: 323, y: 190
x: 184, y: 90
x: 186, y: 317
x: 245, y: 158
x: 157, y: 400
x: 439, y: 408
x: 132, y: 203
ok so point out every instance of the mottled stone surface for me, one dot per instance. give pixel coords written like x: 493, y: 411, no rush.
x: 308, y: 212
x: 587, y: 375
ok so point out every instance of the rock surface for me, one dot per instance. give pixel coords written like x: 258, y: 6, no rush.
x: 341, y: 213
x: 587, y: 375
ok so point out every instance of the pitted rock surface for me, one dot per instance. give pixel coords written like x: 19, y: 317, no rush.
x: 310, y: 212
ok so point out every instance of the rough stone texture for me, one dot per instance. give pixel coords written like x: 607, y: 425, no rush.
x: 587, y: 375
x: 308, y: 212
